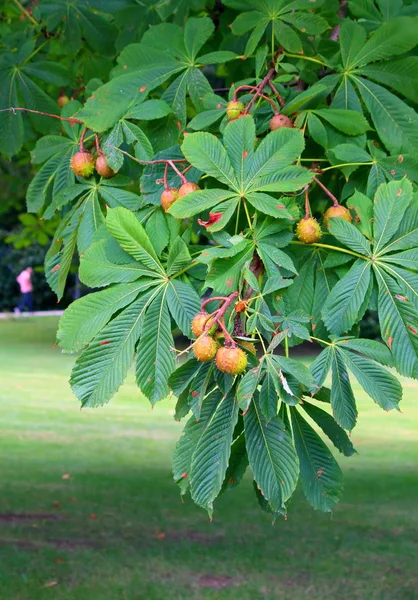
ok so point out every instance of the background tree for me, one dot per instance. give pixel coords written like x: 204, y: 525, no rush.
x: 260, y: 157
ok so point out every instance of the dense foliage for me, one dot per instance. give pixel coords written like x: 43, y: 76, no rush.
x: 259, y: 170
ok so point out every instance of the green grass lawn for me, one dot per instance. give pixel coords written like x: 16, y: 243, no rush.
x: 116, y: 529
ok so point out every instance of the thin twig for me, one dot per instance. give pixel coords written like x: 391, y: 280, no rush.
x: 326, y: 190
x: 71, y: 120
x: 25, y: 12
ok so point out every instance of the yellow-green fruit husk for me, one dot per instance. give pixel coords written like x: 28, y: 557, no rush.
x: 308, y: 230
x: 339, y: 212
x: 188, y: 188
x: 82, y: 163
x: 231, y: 360
x: 234, y: 109
x: 103, y: 168
x: 279, y: 121
x: 168, y: 197
x: 62, y: 101
x: 198, y: 323
x: 205, y: 349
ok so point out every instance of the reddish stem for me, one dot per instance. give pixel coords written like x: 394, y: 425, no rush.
x: 82, y: 136
x: 228, y: 338
x: 205, y: 302
x: 165, y: 176
x: 96, y: 141
x: 307, y: 207
x: 260, y: 88
x: 179, y: 173
x: 71, y: 120
x: 276, y: 91
x: 326, y: 190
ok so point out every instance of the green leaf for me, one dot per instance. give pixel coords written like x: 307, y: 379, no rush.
x: 320, y: 475
x: 178, y: 257
x: 102, y: 367
x: 238, y: 463
x: 128, y: 231
x: 342, y: 397
x: 205, y: 152
x: 346, y: 300
x: 335, y: 433
x: 390, y: 203
x: 146, y: 69
x: 298, y: 370
x: 87, y: 316
x: 101, y: 265
x: 398, y: 324
x: 221, y: 56
x: 352, y: 40
x: 180, y: 379
x: 151, y: 109
x: 210, y: 459
x: 247, y: 387
x: 268, y: 396
x: 197, y: 202
x: 349, y: 235
x: 398, y: 36
x: 224, y: 275
x: 206, y: 118
x: 186, y: 446
x: 287, y: 37
x: 272, y: 457
x: 276, y: 151
x: 60, y: 254
x: 349, y: 122
x: 306, y: 22
x: 363, y: 207
x: 268, y: 205
x: 376, y: 381
x: 155, y: 360
x: 184, y: 304
x: 196, y: 34
x: 238, y: 140
x: 374, y: 350
x: 395, y: 122
x: 400, y: 74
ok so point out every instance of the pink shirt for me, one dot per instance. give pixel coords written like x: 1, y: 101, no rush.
x: 24, y: 281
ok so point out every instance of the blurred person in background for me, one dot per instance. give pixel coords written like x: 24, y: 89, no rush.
x: 24, y: 279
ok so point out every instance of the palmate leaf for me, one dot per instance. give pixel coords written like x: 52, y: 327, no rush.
x: 237, y: 465
x: 205, y: 152
x: 247, y: 387
x: 332, y: 430
x: 127, y: 230
x: 376, y: 381
x: 60, y: 254
x: 393, y: 38
x: 349, y: 235
x: 184, y: 304
x: 146, y: 69
x: 87, y: 316
x: 102, y: 367
x: 320, y: 475
x: 281, y: 15
x: 398, y: 324
x: 186, y: 446
x: 102, y: 265
x: 390, y: 203
x: 272, y: 456
x: 211, y: 456
x: 342, y: 398
x: 347, y: 299
x: 395, y: 122
x: 155, y: 360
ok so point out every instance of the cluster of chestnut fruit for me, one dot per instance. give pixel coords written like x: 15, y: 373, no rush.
x: 228, y: 359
